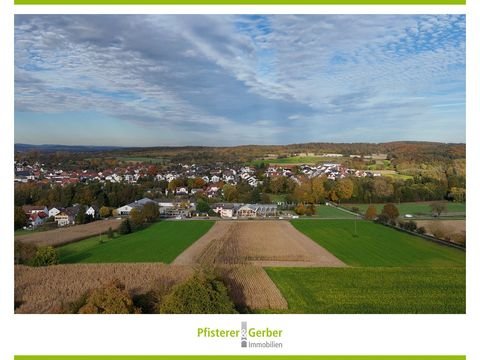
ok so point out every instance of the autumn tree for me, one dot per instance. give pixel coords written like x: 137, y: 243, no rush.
x: 20, y: 218
x: 150, y: 212
x: 343, y: 189
x: 382, y: 187
x: 371, y: 212
x: 438, y: 207
x: 390, y: 211
x: 105, y: 211
x: 112, y: 298
x: 230, y: 193
x: 277, y: 184
x: 136, y: 217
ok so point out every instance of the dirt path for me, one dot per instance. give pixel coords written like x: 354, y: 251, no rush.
x: 261, y: 243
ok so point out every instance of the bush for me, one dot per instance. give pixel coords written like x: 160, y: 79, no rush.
x: 24, y: 253
x: 150, y: 302
x: 125, y: 227
x: 199, y: 295
x: 300, y: 209
x: 382, y: 219
x: 109, y: 299
x: 421, y: 230
x: 46, y: 256
x: 410, y: 225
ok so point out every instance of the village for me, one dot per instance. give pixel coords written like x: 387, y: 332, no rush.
x: 177, y: 201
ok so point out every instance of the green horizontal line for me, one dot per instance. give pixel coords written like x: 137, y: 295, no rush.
x: 234, y: 357
x: 240, y: 2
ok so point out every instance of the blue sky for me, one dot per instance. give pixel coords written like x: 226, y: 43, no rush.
x: 136, y: 80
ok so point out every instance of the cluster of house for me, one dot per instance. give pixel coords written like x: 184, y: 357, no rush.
x: 211, y: 177
x: 131, y: 174
x: 334, y: 171
x: 166, y: 209
x: 187, y: 209
x: 38, y: 215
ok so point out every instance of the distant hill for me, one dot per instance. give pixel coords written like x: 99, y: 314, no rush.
x: 63, y: 148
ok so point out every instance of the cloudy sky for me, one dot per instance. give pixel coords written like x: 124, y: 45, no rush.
x: 226, y: 80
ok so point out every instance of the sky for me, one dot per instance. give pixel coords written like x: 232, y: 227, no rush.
x: 224, y: 80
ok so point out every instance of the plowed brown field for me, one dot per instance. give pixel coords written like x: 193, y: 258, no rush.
x: 70, y: 234
x: 262, y: 243
x: 49, y: 289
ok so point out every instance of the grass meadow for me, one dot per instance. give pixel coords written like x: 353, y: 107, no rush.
x: 415, y: 208
x: 364, y: 243
x: 160, y: 242
x: 372, y: 290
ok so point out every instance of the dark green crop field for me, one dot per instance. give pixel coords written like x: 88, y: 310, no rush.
x: 364, y: 243
x: 372, y: 290
x: 161, y: 242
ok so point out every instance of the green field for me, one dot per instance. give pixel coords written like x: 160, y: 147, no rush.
x: 310, y: 160
x: 414, y: 208
x: 161, y: 242
x: 372, y: 290
x: 330, y: 212
x: 377, y: 245
x: 144, y: 159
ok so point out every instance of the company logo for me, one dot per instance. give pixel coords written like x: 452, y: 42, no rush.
x: 250, y: 337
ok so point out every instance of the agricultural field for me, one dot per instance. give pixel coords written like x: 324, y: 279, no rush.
x: 251, y: 287
x: 372, y: 290
x: 143, y: 159
x: 364, y: 243
x: 309, y: 160
x: 269, y: 266
x: 451, y: 230
x: 331, y: 212
x: 67, y: 235
x: 421, y: 209
x: 49, y: 289
x: 161, y: 242
x: 261, y: 243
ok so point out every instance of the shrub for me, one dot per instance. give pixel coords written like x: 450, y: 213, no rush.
x: 46, y: 256
x: 300, y: 209
x: 382, y: 219
x: 150, y: 302
x: 109, y: 299
x: 410, y: 225
x: 199, y: 295
x: 421, y: 230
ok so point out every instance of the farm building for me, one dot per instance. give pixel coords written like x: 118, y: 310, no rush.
x: 257, y: 210
x: 138, y: 204
x: 229, y: 210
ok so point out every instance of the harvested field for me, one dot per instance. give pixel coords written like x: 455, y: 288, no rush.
x: 67, y: 235
x: 452, y: 230
x: 49, y: 289
x: 251, y: 287
x: 262, y: 243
